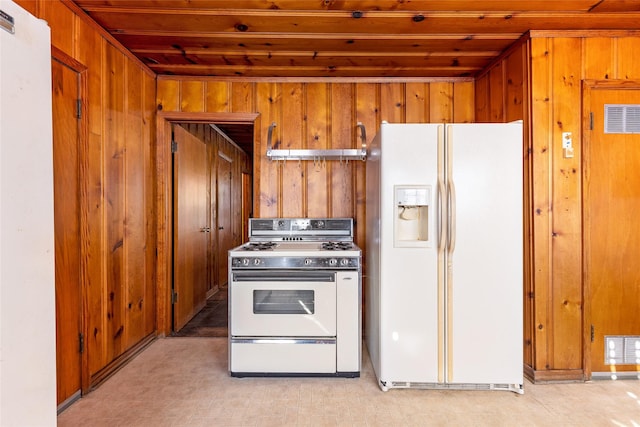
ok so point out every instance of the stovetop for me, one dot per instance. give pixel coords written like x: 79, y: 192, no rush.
x: 298, y: 243
x: 310, y: 252
x: 297, y: 246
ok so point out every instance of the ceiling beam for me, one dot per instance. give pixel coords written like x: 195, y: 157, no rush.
x: 362, y: 5
x: 128, y: 20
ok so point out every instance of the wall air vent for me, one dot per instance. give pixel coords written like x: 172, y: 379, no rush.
x: 621, y: 118
x: 622, y: 350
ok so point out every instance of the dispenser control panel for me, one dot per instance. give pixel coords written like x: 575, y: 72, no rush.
x: 412, y: 196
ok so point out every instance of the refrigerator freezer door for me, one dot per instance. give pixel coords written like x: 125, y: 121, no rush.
x: 484, y: 285
x: 408, y: 275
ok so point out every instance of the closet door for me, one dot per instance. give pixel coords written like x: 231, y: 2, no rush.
x: 66, y: 140
x: 612, y: 232
x: 191, y: 228
x: 225, y: 235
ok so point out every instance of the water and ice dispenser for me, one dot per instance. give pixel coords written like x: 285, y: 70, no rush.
x: 412, y: 212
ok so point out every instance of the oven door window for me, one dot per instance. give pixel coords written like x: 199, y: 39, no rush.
x: 274, y: 301
x: 282, y: 303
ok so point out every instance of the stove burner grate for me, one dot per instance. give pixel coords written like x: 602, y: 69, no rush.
x: 337, y: 246
x: 259, y: 246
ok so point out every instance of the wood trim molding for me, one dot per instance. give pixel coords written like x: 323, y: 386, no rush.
x: 589, y: 84
x: 529, y: 373
x: 60, y: 56
x: 586, y: 246
x: 554, y: 376
x: 583, y: 33
x: 226, y: 79
x: 164, y: 238
x: 198, y: 117
x: 113, y: 367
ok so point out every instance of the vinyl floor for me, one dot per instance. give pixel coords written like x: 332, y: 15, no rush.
x: 211, y: 321
x: 183, y: 381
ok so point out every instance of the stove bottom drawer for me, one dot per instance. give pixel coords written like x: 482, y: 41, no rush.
x: 282, y: 356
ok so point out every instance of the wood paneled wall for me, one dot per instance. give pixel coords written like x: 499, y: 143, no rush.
x: 118, y: 210
x: 318, y: 114
x: 559, y: 64
x: 540, y: 81
x: 502, y: 96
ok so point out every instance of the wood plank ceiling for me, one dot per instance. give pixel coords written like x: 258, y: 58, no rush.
x: 340, y: 38
x: 322, y: 38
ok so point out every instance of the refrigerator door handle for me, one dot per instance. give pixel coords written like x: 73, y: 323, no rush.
x: 441, y: 234
x: 452, y: 216
x: 451, y: 194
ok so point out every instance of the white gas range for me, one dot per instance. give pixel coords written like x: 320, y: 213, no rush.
x: 295, y: 299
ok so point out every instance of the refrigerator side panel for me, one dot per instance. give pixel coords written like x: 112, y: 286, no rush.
x: 27, y: 271
x: 372, y: 264
x: 486, y: 265
x: 408, y: 274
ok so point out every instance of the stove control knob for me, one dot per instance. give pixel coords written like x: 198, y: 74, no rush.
x: 308, y: 261
x: 256, y: 261
x: 333, y: 261
x: 245, y: 261
x: 344, y: 261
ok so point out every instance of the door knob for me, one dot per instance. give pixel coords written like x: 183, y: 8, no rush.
x: 220, y: 228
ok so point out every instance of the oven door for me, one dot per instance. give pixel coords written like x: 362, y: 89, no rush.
x: 284, y: 303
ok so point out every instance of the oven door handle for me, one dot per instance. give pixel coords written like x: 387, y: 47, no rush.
x: 284, y: 276
x: 286, y: 340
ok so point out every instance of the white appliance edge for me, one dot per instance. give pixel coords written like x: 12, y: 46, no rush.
x: 442, y: 315
x: 27, y: 275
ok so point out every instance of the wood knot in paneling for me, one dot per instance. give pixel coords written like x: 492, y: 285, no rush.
x: 572, y: 306
x: 118, y: 332
x: 568, y: 80
x: 268, y: 200
x: 117, y: 246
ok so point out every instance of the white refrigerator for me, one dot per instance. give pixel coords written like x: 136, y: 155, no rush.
x: 444, y: 261
x: 27, y: 271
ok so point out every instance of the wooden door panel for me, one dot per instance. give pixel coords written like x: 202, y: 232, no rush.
x: 67, y: 230
x: 191, y: 228
x: 612, y: 229
x: 225, y: 237
x: 247, y: 205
